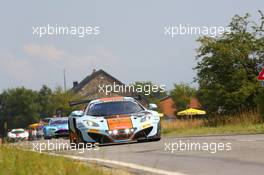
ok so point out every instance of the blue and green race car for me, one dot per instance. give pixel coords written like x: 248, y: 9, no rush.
x: 57, y: 127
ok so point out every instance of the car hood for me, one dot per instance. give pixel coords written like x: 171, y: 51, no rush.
x: 61, y: 126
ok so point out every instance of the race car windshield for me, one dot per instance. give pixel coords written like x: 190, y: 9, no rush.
x: 17, y: 132
x: 45, y: 120
x: 114, y: 108
x: 58, y: 122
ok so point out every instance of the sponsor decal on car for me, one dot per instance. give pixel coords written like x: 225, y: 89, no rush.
x: 119, y: 123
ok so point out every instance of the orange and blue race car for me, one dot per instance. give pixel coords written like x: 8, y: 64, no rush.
x: 113, y: 120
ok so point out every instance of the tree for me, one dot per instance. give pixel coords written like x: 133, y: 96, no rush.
x: 19, y: 107
x: 228, y: 66
x: 60, y: 101
x: 260, y: 102
x: 181, y: 95
x: 47, y: 108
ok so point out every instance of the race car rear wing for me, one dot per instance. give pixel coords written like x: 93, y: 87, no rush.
x: 75, y: 103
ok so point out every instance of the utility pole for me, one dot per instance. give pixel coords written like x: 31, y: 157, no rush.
x: 64, y: 79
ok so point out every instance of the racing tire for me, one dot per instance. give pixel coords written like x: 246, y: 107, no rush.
x: 47, y: 138
x: 154, y: 139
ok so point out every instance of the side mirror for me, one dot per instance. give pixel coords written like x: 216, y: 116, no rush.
x: 153, y: 106
x: 77, y: 113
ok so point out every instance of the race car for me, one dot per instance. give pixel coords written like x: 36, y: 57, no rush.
x: 114, y: 120
x: 17, y: 135
x: 57, y: 127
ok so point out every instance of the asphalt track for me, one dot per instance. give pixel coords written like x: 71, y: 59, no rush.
x: 246, y: 156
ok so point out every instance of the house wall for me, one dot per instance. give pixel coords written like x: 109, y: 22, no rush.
x: 194, y: 103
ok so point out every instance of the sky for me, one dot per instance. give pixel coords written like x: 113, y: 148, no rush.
x: 131, y: 44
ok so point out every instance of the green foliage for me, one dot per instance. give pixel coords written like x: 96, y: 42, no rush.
x: 260, y: 102
x: 181, y: 95
x: 45, y: 97
x: 21, y: 162
x: 19, y: 107
x: 228, y: 67
x: 60, y: 100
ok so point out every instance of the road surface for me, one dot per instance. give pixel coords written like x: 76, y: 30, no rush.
x: 237, y: 155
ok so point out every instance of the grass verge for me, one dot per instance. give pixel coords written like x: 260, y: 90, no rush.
x: 21, y: 162
x: 225, y: 130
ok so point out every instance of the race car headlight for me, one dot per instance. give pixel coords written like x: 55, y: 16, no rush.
x: 91, y: 123
x: 52, y: 129
x: 115, y: 132
x: 126, y: 131
x: 145, y: 118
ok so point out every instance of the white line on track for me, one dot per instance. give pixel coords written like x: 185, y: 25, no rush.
x: 124, y: 164
x: 247, y: 140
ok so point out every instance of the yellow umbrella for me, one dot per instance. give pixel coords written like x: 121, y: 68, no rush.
x: 161, y: 115
x: 34, y: 125
x: 191, y: 111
